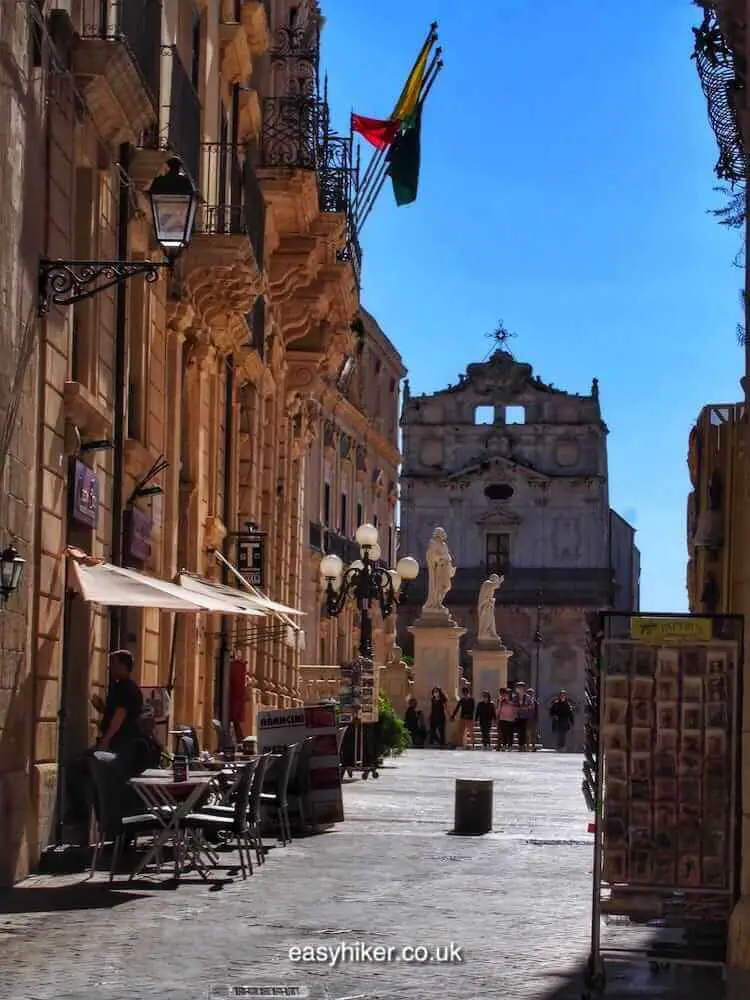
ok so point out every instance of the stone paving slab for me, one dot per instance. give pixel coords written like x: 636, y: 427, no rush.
x: 517, y: 901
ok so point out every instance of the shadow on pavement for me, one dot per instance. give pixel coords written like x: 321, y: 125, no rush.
x: 631, y: 982
x: 50, y: 899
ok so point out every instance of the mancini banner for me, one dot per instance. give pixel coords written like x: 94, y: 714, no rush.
x: 277, y: 728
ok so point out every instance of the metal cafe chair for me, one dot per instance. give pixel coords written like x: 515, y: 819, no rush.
x: 231, y: 821
x: 110, y: 789
x: 277, y: 798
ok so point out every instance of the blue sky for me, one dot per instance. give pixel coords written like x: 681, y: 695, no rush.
x: 567, y: 170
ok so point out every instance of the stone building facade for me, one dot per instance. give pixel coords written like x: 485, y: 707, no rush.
x: 353, y: 473
x: 516, y: 472
x: 718, y: 527
x: 206, y: 374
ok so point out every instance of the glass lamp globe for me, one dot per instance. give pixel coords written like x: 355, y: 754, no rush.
x: 367, y: 534
x: 408, y: 568
x: 357, y: 564
x: 11, y: 569
x: 374, y: 552
x: 331, y: 567
x: 174, y: 201
x: 395, y: 580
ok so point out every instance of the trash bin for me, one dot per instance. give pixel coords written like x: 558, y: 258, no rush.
x: 473, y: 808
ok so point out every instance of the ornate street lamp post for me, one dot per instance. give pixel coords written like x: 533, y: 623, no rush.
x: 11, y: 570
x: 538, y: 640
x: 174, y: 202
x: 365, y: 582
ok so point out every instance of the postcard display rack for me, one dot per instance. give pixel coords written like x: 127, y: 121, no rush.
x: 358, y: 702
x: 660, y: 774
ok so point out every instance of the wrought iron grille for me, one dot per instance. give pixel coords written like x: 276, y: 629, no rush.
x: 296, y: 131
x: 233, y: 202
x: 722, y: 73
x: 179, y: 128
x: 137, y: 24
x: 221, y: 188
x: 289, y: 132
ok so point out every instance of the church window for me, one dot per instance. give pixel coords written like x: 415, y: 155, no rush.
x: 326, y: 504
x: 498, y: 491
x: 484, y: 415
x: 515, y: 414
x: 498, y: 552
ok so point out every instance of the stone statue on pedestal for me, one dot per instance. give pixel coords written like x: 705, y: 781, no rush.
x: 486, y: 628
x: 440, y: 572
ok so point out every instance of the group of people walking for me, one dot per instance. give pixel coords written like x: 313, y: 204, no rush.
x: 515, y: 711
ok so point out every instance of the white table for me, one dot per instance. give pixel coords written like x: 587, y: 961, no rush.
x: 170, y: 802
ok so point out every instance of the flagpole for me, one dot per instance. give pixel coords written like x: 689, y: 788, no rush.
x: 373, y: 167
x: 432, y: 36
x: 377, y: 186
x: 368, y: 196
x: 429, y: 42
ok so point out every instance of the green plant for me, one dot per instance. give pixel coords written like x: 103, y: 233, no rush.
x: 393, y: 735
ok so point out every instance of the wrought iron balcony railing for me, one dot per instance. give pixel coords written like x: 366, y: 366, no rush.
x: 136, y: 23
x: 289, y: 133
x: 179, y: 127
x: 233, y: 202
x: 296, y: 135
x: 722, y: 73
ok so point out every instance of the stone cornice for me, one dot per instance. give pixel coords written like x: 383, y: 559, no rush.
x: 338, y: 409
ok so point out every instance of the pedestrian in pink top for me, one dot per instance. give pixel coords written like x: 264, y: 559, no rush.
x: 506, y: 720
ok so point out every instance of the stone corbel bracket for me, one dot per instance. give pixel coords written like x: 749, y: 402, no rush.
x: 222, y: 277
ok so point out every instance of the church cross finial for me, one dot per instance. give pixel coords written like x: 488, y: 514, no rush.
x: 501, y: 335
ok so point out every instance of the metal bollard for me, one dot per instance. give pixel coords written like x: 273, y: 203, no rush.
x: 473, y: 807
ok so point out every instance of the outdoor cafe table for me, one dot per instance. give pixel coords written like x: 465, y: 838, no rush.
x: 171, y: 801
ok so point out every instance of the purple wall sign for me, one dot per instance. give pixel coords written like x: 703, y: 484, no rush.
x: 138, y: 528
x: 85, y: 499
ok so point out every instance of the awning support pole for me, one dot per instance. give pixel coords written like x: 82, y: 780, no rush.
x: 172, y: 655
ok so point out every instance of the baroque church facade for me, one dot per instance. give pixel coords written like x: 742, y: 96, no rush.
x: 515, y: 470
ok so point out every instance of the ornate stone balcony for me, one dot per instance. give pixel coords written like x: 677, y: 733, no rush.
x: 177, y: 128
x: 115, y: 61
x: 306, y: 176
x: 223, y: 267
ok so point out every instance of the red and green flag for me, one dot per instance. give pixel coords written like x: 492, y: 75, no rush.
x: 404, y: 160
x: 399, y: 135
x: 379, y: 134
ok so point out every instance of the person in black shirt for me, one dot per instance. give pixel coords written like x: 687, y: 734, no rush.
x: 438, y: 701
x: 485, y: 716
x: 563, y: 718
x: 414, y: 721
x: 465, y: 706
x: 123, y: 707
x: 119, y: 734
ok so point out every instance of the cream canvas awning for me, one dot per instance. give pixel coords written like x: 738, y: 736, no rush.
x: 259, y: 603
x: 114, y: 586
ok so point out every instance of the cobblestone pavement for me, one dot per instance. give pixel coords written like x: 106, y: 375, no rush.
x: 516, y: 901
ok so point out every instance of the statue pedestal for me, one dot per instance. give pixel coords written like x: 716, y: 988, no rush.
x: 490, y: 667
x: 436, y: 662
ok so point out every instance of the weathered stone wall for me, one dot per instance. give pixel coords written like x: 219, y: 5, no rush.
x: 20, y: 223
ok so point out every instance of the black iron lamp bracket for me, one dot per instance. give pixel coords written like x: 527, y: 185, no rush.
x: 64, y: 282
x: 365, y: 585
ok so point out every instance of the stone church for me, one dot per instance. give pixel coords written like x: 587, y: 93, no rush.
x: 515, y: 470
